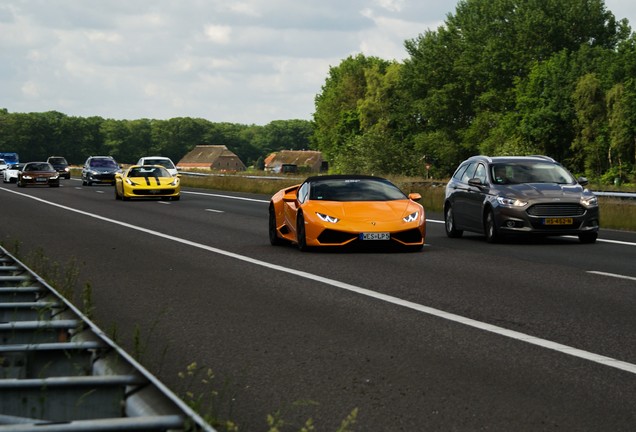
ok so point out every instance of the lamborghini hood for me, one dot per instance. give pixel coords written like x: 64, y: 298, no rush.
x: 360, y: 211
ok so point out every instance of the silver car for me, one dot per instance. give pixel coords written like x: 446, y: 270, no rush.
x: 497, y: 196
x: 99, y: 169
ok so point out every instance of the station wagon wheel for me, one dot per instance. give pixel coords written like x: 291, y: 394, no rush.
x: 588, y: 238
x: 301, y: 238
x: 449, y: 223
x: 273, y: 234
x: 490, y: 228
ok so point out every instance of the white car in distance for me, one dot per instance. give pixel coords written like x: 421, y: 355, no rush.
x: 10, y: 175
x: 159, y: 160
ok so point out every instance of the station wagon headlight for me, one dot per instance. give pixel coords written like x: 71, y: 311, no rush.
x: 327, y: 218
x: 412, y: 217
x: 589, y: 201
x: 511, y: 202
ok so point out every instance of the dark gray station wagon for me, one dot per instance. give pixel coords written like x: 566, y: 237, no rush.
x: 519, y: 195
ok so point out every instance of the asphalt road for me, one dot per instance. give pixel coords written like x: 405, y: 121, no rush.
x: 462, y: 336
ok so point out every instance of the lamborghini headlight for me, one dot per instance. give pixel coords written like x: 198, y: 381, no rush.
x: 412, y: 217
x: 327, y: 218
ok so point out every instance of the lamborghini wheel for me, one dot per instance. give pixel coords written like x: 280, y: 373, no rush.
x: 301, y: 237
x: 273, y: 234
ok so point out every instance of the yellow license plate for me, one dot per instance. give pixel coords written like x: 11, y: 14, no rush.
x: 558, y: 221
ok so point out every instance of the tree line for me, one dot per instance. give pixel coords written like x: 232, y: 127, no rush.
x: 35, y: 136
x: 499, y: 77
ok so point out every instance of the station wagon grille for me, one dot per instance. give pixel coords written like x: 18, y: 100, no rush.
x: 558, y: 209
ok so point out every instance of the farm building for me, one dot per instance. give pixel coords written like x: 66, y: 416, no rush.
x: 303, y: 160
x: 214, y: 157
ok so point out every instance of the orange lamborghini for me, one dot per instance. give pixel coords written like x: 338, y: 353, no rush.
x: 339, y: 210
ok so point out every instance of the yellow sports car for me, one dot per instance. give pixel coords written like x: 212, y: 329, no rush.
x: 147, y: 181
x: 339, y: 210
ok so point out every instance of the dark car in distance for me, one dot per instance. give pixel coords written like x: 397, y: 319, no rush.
x: 38, y: 174
x: 99, y: 169
x: 61, y: 166
x: 504, y: 195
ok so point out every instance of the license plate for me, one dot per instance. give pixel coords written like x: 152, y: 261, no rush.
x: 375, y: 236
x: 41, y: 179
x: 558, y: 221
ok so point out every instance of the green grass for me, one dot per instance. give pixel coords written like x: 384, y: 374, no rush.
x: 615, y: 214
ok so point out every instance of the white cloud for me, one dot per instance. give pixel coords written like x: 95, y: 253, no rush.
x: 30, y: 89
x: 391, y: 5
x: 218, y: 33
x: 249, y: 61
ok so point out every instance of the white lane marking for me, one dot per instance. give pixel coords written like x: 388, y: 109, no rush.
x: 99, y: 191
x: 214, y: 211
x: 614, y: 275
x: 570, y: 237
x: 564, y: 349
x: 225, y: 196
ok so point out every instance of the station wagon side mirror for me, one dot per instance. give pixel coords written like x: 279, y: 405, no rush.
x: 415, y: 196
x: 475, y: 182
x: 583, y: 181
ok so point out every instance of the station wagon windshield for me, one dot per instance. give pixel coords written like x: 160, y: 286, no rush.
x: 517, y: 173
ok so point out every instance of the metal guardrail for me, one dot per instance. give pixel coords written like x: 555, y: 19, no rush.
x: 60, y: 372
x: 610, y: 194
x: 621, y: 195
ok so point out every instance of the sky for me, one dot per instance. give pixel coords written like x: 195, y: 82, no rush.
x: 243, y: 61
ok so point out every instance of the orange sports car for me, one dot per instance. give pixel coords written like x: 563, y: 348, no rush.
x: 339, y: 210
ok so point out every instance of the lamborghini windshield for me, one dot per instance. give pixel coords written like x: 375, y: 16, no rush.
x: 355, y: 189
